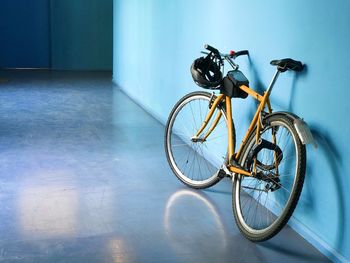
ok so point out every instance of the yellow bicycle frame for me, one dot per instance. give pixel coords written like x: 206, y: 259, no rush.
x: 256, y: 122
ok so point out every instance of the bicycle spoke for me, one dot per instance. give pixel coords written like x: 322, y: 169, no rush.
x: 196, y: 162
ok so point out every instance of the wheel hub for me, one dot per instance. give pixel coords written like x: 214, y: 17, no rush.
x: 273, y: 181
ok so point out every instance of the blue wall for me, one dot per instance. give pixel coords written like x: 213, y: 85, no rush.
x: 24, y: 34
x: 156, y: 41
x: 82, y: 34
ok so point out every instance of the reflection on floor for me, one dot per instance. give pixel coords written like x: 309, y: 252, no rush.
x: 84, y: 179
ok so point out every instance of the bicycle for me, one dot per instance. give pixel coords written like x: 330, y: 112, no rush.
x: 268, y: 169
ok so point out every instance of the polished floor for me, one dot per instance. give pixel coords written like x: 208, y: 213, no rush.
x: 83, y: 178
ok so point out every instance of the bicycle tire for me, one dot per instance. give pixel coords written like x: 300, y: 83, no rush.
x: 212, y: 179
x: 258, y: 235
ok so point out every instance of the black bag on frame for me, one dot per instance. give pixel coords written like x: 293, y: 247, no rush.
x: 232, y: 81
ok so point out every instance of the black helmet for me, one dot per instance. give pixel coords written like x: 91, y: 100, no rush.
x: 206, y: 72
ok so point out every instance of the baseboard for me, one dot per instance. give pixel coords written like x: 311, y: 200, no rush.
x: 316, y: 241
x: 294, y: 223
x: 135, y: 99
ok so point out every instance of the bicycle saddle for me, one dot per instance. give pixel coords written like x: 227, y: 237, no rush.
x: 287, y: 63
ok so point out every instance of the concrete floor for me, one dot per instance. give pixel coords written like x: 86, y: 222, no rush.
x: 84, y: 178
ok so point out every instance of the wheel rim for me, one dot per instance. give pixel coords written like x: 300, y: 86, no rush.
x: 259, y: 211
x: 196, y: 163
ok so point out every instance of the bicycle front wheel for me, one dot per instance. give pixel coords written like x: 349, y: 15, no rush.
x: 262, y: 205
x: 195, y: 163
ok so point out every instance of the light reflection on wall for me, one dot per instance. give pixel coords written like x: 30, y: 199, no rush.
x: 47, y: 210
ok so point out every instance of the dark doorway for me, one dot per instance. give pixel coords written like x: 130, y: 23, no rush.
x: 25, y: 34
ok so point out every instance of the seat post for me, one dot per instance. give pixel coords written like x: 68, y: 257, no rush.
x: 273, y: 81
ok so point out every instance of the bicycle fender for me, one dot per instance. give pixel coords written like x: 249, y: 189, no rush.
x: 300, y: 125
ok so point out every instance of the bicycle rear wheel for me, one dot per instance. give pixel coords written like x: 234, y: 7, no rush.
x: 196, y: 164
x: 263, y: 205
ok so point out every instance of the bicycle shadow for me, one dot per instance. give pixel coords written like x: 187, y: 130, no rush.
x: 327, y: 148
x: 260, y: 87
x: 297, y: 76
x: 258, y: 84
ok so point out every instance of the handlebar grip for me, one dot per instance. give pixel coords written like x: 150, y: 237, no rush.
x: 241, y: 53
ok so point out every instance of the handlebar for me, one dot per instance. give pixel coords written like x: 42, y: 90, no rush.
x: 232, y: 54
x: 228, y: 57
